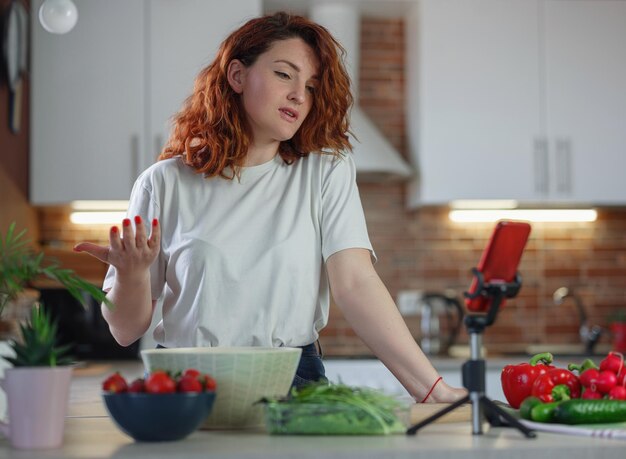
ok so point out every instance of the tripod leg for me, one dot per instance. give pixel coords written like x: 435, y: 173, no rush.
x: 495, y: 410
x: 413, y: 429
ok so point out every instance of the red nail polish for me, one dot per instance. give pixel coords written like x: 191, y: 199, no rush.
x: 138, y: 220
x: 126, y: 222
x: 114, y: 229
x: 155, y: 222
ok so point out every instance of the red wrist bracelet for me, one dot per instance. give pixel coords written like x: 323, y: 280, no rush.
x: 432, y: 388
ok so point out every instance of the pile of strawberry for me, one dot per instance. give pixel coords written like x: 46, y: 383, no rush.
x: 161, y: 382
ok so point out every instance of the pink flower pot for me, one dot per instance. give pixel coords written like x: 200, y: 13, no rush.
x: 37, y: 400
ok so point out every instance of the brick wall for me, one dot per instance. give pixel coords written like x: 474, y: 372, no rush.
x: 423, y: 250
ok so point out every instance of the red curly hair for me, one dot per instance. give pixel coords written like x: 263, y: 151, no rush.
x: 211, y: 131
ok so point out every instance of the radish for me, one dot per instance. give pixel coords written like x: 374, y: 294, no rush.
x: 614, y: 362
x: 618, y: 393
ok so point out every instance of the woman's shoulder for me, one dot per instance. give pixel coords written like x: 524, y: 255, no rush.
x: 333, y: 166
x: 326, y: 161
x: 165, y: 170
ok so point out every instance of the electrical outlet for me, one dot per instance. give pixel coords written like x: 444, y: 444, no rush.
x: 408, y: 302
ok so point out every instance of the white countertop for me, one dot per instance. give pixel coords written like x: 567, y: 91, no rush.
x: 89, y: 433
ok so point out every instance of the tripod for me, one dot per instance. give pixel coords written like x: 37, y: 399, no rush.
x: 473, y: 370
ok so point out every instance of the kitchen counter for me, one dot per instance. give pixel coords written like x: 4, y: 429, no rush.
x: 90, y: 433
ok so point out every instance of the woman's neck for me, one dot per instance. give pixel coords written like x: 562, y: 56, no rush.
x: 260, y: 154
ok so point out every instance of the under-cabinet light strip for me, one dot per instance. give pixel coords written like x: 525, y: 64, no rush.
x: 97, y: 218
x: 532, y: 215
x: 100, y: 205
x: 484, y: 204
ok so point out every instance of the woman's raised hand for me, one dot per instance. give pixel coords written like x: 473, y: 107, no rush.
x: 130, y: 253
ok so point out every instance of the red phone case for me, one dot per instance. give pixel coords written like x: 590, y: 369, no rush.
x: 499, y: 260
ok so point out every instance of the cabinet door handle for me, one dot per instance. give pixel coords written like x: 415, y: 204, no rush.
x: 135, y: 163
x: 563, y: 158
x: 158, y: 145
x: 540, y: 148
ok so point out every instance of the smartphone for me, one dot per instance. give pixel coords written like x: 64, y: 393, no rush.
x: 499, y: 260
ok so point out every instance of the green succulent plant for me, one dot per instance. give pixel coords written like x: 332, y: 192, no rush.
x: 39, y: 346
x: 20, y: 265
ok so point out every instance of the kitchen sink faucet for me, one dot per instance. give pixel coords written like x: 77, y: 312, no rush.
x: 589, y: 336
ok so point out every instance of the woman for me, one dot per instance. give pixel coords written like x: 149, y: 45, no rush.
x: 255, y: 216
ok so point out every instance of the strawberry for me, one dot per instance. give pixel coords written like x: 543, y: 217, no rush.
x: 138, y: 385
x: 192, y: 372
x: 115, y: 383
x: 209, y: 383
x: 159, y: 382
x: 189, y: 383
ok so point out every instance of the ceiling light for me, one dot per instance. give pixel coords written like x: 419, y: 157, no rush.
x: 58, y: 16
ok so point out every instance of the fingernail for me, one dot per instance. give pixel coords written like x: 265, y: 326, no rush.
x: 155, y: 222
x: 75, y: 249
x: 114, y: 229
x: 138, y: 220
x: 126, y: 222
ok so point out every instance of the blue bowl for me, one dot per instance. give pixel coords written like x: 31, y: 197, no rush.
x: 159, y: 417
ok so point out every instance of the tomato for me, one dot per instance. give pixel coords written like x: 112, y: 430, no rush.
x: 159, y: 382
x: 138, y: 385
x: 189, y: 383
x: 115, y: 383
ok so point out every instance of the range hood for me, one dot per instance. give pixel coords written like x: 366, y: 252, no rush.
x: 375, y: 158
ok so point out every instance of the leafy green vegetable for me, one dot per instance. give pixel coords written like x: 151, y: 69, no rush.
x: 336, y: 409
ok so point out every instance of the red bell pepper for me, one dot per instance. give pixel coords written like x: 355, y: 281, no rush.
x: 555, y: 385
x: 517, y: 380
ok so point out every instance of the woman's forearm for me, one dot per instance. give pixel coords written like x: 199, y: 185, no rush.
x: 132, y: 314
x: 372, y: 314
x: 132, y: 257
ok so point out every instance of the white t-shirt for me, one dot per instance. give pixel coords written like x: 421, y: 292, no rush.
x: 242, y: 261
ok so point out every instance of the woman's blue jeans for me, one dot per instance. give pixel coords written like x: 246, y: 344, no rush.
x: 310, y: 368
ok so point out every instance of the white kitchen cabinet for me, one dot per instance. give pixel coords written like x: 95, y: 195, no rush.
x: 585, y: 51
x: 103, y: 94
x: 87, y: 104
x: 518, y: 99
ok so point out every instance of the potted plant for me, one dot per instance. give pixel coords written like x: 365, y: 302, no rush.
x: 37, y: 386
x: 20, y: 265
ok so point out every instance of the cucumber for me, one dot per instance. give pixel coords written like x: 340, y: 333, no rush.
x: 582, y: 411
x: 544, y: 412
x: 527, y: 405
